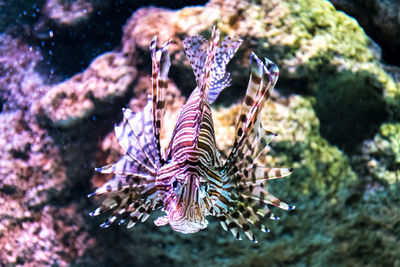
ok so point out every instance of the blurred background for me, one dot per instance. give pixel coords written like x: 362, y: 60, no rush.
x: 67, y: 68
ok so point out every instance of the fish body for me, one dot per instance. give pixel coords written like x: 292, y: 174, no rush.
x: 189, y: 180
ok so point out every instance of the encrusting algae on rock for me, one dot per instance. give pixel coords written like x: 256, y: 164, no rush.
x: 189, y: 180
x: 55, y: 132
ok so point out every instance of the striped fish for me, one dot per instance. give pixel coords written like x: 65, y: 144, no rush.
x: 189, y: 180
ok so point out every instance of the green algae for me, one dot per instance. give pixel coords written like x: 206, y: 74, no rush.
x: 358, y: 230
x: 339, y: 33
x: 340, y: 217
x: 338, y: 220
x: 320, y: 168
x: 381, y: 156
x: 331, y: 58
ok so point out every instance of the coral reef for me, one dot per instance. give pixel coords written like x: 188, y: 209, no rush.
x: 34, y: 227
x: 108, y: 78
x: 19, y: 82
x: 381, y: 21
x: 336, y: 111
x: 327, y: 56
x: 381, y: 155
x: 72, y: 13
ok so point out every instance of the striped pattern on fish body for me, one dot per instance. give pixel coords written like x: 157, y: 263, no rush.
x: 189, y: 181
x: 184, y: 143
x: 193, y: 140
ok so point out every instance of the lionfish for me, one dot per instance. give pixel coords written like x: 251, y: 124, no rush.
x: 189, y: 180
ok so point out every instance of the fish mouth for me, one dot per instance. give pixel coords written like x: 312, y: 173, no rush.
x: 187, y: 219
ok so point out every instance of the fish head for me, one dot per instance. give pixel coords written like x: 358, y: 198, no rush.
x: 185, y: 206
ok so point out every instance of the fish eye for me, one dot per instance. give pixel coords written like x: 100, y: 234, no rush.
x: 175, y: 184
x: 204, y: 185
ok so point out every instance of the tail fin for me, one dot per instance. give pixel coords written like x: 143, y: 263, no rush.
x: 197, y: 53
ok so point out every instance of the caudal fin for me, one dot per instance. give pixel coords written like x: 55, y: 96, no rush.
x: 197, y: 51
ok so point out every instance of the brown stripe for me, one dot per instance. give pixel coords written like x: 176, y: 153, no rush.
x: 160, y: 104
x: 205, y: 147
x: 162, y: 84
x: 255, y: 78
x: 243, y: 117
x: 249, y: 100
x: 239, y: 132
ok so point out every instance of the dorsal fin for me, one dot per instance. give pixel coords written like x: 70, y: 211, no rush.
x: 160, y: 67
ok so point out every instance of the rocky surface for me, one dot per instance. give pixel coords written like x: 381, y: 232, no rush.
x: 335, y: 109
x: 108, y: 78
x: 381, y: 21
x: 35, y: 228
x: 381, y: 155
x: 326, y: 56
x: 72, y: 13
x: 19, y: 82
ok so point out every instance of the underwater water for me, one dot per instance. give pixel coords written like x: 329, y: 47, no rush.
x: 68, y: 68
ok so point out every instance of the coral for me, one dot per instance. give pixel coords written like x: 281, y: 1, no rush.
x: 332, y: 58
x: 72, y: 13
x: 380, y: 19
x: 320, y: 50
x: 108, y: 78
x: 55, y: 236
x: 19, y: 82
x: 32, y: 176
x: 381, y: 155
x: 333, y: 91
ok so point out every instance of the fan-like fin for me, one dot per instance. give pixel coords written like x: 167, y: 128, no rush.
x: 251, y: 149
x: 127, y: 165
x: 220, y: 78
x: 121, y: 182
x: 197, y: 54
x: 243, y: 198
x: 136, y: 136
x: 128, y: 198
x: 231, y: 226
x: 263, y: 78
x: 259, y: 174
x: 134, y: 182
x: 261, y: 194
x: 196, y: 51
